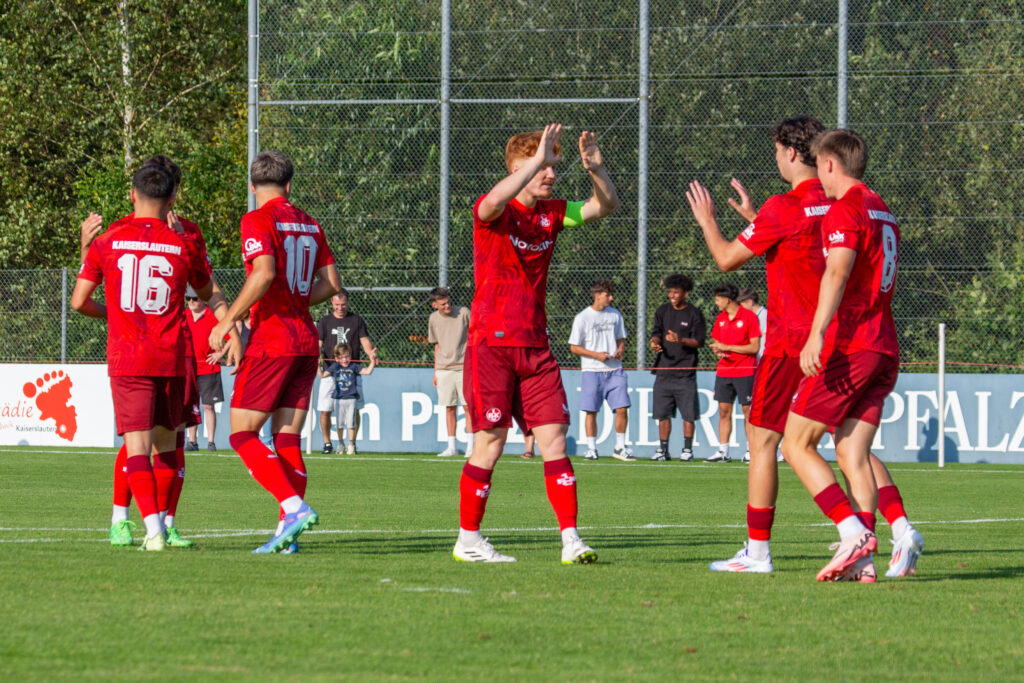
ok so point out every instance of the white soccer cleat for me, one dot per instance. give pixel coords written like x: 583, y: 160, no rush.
x: 746, y: 458
x: 350, y: 449
x: 660, y: 455
x: 591, y: 454
x: 448, y: 453
x: 155, y: 542
x: 862, y: 571
x: 905, y: 551
x: 481, y: 551
x: 742, y: 562
x: 779, y: 458
x: 624, y: 454
x: 721, y: 455
x: 848, y: 551
x: 578, y: 552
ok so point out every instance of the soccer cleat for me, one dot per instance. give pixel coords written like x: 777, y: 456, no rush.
x: 847, y: 554
x: 578, y: 552
x: 294, y: 524
x: 481, y: 551
x: 121, y: 533
x: 591, y: 454
x: 328, y: 448
x: 191, y: 445
x: 176, y: 541
x: 624, y: 454
x: 861, y: 571
x: 211, y: 447
x: 905, y: 551
x: 720, y: 455
x: 448, y: 453
x: 746, y: 458
x: 779, y: 457
x: 660, y: 455
x: 291, y: 549
x: 742, y: 562
x: 686, y: 455
x: 350, y: 449
x: 155, y: 542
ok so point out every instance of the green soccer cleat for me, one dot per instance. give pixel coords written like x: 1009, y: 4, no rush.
x: 176, y: 541
x: 121, y: 532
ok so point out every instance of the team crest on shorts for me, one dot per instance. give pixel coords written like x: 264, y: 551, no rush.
x: 493, y: 415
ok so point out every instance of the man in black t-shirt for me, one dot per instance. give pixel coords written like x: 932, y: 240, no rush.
x: 340, y: 326
x: 677, y: 333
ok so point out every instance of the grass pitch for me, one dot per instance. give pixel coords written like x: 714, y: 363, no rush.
x: 375, y: 593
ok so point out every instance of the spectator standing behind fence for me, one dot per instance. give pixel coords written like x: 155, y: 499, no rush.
x: 447, y: 329
x: 201, y: 322
x: 599, y: 338
x: 343, y: 375
x: 736, y: 336
x: 340, y: 326
x: 749, y: 300
x: 678, y: 333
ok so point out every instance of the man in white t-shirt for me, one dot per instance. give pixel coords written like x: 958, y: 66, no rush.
x: 599, y: 339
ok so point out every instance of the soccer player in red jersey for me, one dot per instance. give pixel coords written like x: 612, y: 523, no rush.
x: 509, y: 370
x: 147, y: 267
x: 169, y: 469
x: 289, y: 268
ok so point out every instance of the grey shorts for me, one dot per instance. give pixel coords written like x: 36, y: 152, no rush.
x: 728, y: 389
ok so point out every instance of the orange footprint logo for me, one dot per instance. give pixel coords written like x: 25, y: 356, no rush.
x: 52, y: 392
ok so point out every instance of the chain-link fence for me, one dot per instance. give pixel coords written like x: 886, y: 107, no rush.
x: 396, y: 113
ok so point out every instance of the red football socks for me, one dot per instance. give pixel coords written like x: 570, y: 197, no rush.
x: 264, y: 466
x: 288, y: 450
x: 890, y: 504
x: 867, y: 519
x: 143, y: 485
x: 122, y: 491
x: 560, y: 482
x: 834, y: 503
x: 474, y: 487
x: 179, y: 479
x: 759, y: 523
x: 164, y: 466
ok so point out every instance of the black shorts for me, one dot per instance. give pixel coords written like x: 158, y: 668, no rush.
x: 210, y: 389
x: 672, y: 391
x: 727, y: 389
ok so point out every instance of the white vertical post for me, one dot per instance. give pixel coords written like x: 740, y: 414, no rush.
x: 444, y: 177
x: 842, y: 64
x: 64, y: 315
x: 942, y: 395
x: 641, y: 185
x: 254, y: 93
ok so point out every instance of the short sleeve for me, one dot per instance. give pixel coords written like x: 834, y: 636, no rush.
x: 576, y: 336
x: 620, y: 327
x: 91, y: 268
x: 768, y: 228
x: 431, y: 333
x: 256, y: 236
x: 324, y: 255
x: 361, y: 331
x: 199, y: 264
x: 497, y: 224
x: 755, y: 325
x: 843, y: 227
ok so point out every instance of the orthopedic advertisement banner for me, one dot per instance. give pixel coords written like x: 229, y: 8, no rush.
x: 984, y: 419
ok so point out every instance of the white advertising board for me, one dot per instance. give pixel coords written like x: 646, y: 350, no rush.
x: 55, y: 405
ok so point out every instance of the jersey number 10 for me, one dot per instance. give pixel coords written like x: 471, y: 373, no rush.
x: 143, y: 283
x: 301, y: 252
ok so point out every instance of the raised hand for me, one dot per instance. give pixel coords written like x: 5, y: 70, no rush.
x: 546, y: 149
x: 174, y: 224
x: 590, y: 153
x: 701, y: 204
x: 91, y: 227
x: 743, y: 207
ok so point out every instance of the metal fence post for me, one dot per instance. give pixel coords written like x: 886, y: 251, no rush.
x: 442, y: 230
x: 254, y: 92
x: 64, y: 315
x: 941, y: 422
x: 641, y: 186
x: 841, y: 66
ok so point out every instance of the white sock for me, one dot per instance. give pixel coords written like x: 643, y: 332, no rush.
x: 290, y: 505
x: 169, y: 521
x: 120, y: 514
x: 592, y: 442
x: 467, y: 537
x: 569, y: 534
x: 620, y: 440
x: 153, y: 525
x: 900, y: 527
x: 850, y: 527
x: 451, y: 442
x: 724, y: 448
x: 758, y: 550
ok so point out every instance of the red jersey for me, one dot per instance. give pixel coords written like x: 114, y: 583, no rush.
x: 738, y: 331
x: 281, y: 323
x: 787, y: 230
x: 147, y: 267
x: 861, y: 221
x: 199, y: 334
x: 511, y: 255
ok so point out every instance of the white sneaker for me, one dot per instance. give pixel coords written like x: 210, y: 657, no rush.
x: 746, y: 458
x: 686, y: 455
x: 742, y: 562
x: 624, y: 454
x: 350, y: 449
x: 905, y: 551
x: 660, y: 455
x: 591, y: 454
x: 448, y: 453
x: 721, y: 455
x: 578, y: 552
x: 481, y: 551
x: 779, y: 458
x: 861, y: 571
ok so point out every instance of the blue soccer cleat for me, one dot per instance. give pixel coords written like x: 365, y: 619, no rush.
x: 294, y: 524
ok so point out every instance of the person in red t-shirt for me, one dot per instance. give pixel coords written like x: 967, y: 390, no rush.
x: 289, y: 268
x: 737, y: 339
x: 146, y: 266
x: 509, y: 371
x: 201, y: 321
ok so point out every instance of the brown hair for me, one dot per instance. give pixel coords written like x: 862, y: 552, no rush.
x: 799, y: 133
x: 603, y: 285
x: 438, y: 293
x: 342, y: 349
x: 524, y: 146
x: 847, y: 147
x: 271, y: 168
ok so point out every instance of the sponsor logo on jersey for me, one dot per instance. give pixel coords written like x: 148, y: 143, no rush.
x: 566, y: 479
x: 881, y: 216
x: 141, y: 245
x: 493, y: 415
x: 522, y: 245
x: 812, y: 211
x: 252, y: 244
x: 836, y: 237
x: 748, y: 232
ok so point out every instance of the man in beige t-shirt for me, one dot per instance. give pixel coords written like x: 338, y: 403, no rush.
x: 447, y: 330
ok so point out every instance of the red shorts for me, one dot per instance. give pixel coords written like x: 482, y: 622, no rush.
x: 505, y: 382
x: 775, y: 383
x: 141, y: 403
x: 850, y: 386
x: 192, y: 414
x: 266, y: 383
